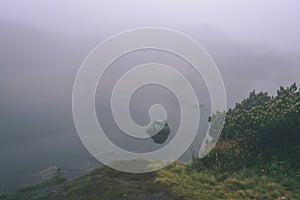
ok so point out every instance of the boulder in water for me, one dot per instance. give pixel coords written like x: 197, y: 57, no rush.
x: 159, y: 131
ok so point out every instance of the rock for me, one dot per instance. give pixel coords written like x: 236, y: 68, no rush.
x: 159, y: 131
x: 50, y: 173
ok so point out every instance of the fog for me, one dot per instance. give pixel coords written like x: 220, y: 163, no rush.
x: 255, y: 44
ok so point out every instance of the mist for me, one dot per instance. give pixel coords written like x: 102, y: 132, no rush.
x: 255, y: 44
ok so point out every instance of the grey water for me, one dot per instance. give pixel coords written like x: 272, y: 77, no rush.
x: 37, y: 128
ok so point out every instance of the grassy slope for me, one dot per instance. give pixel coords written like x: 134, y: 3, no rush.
x: 178, y: 181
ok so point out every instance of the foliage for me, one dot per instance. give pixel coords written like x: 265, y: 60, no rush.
x: 247, y: 183
x: 37, y: 191
x: 3, y: 196
x: 259, y: 129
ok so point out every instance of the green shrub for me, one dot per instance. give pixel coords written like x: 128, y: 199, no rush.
x: 260, y: 129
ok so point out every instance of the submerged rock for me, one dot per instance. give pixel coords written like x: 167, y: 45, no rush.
x: 50, y: 173
x: 159, y: 131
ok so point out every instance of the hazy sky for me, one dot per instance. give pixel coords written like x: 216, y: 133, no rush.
x: 255, y: 44
x: 272, y: 22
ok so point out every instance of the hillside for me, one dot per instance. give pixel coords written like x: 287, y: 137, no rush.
x: 178, y: 181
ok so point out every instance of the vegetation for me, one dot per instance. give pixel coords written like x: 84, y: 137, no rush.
x: 257, y: 157
x: 178, y: 181
x: 261, y: 130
